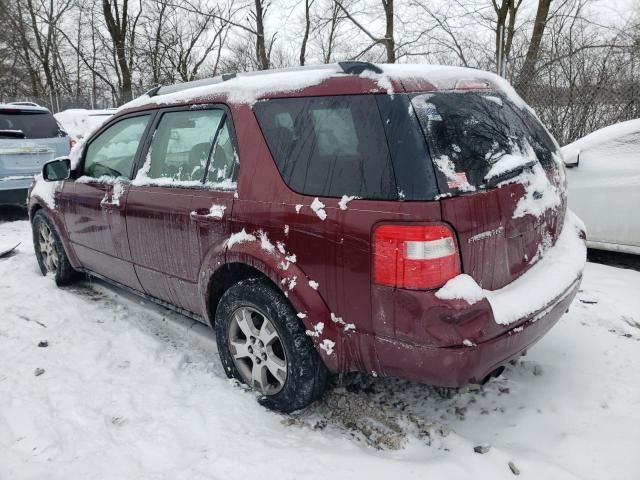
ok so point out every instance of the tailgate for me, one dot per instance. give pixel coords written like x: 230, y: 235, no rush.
x: 497, y: 248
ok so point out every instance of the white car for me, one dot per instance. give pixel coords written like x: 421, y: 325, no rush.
x: 79, y: 122
x: 603, y: 171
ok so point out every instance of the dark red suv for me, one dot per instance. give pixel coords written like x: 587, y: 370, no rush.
x: 397, y: 220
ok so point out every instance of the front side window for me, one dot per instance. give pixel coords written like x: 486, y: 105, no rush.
x: 329, y: 146
x: 181, y: 145
x: 113, y: 152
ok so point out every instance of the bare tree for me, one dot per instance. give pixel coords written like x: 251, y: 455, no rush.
x: 121, y: 24
x: 387, y: 40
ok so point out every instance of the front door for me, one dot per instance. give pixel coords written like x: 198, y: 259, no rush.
x: 93, y: 204
x: 184, y: 187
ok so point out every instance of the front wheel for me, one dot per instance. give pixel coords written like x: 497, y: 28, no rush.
x: 49, y: 249
x: 263, y: 344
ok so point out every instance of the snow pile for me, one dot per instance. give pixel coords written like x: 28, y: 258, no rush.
x: 240, y: 237
x: 318, y: 207
x: 540, y: 194
x: 217, y: 211
x: 344, y: 201
x: 79, y: 122
x: 461, y: 287
x: 561, y: 265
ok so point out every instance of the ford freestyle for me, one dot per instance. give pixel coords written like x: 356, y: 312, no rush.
x: 403, y: 221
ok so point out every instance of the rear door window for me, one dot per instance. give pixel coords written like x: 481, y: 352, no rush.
x: 36, y: 124
x: 329, y: 146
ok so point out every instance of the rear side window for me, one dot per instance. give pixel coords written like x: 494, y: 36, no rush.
x: 329, y: 146
x: 31, y: 124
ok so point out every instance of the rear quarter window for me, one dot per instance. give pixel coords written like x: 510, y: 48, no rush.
x: 329, y: 146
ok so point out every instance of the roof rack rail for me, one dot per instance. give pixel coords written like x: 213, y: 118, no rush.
x: 25, y: 104
x: 356, y: 68
x: 178, y: 87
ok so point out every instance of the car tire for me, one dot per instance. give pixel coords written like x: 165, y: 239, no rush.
x: 263, y: 344
x: 50, y: 252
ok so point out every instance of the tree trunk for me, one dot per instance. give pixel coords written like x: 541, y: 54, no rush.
x: 261, y: 50
x: 389, y: 41
x: 529, y: 67
x: 307, y: 26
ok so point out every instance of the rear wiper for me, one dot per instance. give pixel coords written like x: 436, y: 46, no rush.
x: 509, y: 173
x: 12, y: 134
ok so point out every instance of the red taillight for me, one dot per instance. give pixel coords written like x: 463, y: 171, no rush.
x: 72, y: 142
x: 419, y: 257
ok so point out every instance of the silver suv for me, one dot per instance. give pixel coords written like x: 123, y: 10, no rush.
x: 29, y: 137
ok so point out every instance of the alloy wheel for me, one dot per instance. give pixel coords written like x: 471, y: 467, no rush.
x: 257, y: 351
x: 47, y: 245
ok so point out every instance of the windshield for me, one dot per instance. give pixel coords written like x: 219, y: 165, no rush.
x: 32, y: 124
x: 478, y: 139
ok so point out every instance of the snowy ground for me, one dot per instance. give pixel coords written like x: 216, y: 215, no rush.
x: 132, y: 391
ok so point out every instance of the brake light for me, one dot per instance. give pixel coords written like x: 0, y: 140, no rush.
x: 72, y: 142
x: 419, y: 257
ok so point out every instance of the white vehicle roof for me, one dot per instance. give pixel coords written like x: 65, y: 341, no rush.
x: 602, y: 137
x: 23, y: 107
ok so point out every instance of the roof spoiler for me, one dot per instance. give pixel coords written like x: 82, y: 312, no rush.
x: 356, y: 68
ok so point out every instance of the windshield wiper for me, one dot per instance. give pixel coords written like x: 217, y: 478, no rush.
x: 12, y: 134
x: 509, y: 173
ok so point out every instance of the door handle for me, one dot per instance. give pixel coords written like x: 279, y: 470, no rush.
x: 203, y: 217
x: 108, y: 205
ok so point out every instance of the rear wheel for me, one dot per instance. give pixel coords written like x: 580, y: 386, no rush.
x: 263, y: 344
x: 49, y: 249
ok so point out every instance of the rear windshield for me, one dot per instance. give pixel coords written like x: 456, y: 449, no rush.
x: 477, y: 139
x: 31, y: 124
x: 329, y: 146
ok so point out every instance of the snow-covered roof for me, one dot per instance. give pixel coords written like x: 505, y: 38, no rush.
x: 251, y: 86
x: 602, y: 137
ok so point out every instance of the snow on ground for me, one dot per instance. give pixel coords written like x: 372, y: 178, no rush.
x: 134, y: 391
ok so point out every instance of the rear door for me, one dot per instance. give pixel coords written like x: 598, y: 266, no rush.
x: 93, y: 204
x: 181, y: 200
x: 501, y: 179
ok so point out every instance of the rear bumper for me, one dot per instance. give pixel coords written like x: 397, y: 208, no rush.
x: 460, y: 365
x: 14, y: 197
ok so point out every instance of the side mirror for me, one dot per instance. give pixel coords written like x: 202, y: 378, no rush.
x: 58, y: 169
x: 574, y: 161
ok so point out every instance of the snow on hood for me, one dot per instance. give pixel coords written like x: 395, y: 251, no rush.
x: 561, y: 265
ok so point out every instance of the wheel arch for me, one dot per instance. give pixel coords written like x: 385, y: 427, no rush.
x: 226, y: 267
